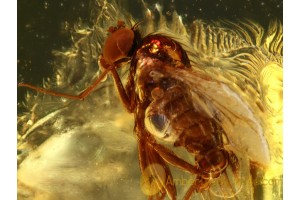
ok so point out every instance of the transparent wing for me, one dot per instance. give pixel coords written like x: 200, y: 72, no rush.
x: 246, y: 59
x: 244, y: 130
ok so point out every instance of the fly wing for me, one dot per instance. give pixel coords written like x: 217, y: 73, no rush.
x: 242, y: 127
x: 250, y: 58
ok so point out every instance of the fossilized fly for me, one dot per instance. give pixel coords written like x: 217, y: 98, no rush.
x: 176, y: 104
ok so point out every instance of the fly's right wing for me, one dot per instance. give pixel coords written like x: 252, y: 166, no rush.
x: 243, y: 129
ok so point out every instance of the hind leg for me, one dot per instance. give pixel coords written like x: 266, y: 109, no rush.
x: 198, y: 185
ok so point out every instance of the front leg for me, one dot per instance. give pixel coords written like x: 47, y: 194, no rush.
x: 125, y: 96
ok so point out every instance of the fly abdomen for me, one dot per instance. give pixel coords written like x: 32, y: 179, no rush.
x: 203, y: 139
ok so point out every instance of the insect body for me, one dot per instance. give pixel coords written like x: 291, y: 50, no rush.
x: 170, y: 113
x: 174, y: 103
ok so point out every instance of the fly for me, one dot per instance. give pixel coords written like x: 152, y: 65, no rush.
x: 174, y: 103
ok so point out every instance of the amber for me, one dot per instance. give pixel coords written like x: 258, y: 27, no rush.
x: 212, y: 91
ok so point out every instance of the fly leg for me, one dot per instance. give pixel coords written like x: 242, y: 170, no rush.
x: 156, y: 180
x: 168, y: 155
x: 81, y: 96
x: 198, y: 185
x: 125, y: 95
x: 125, y: 98
x: 173, y: 159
